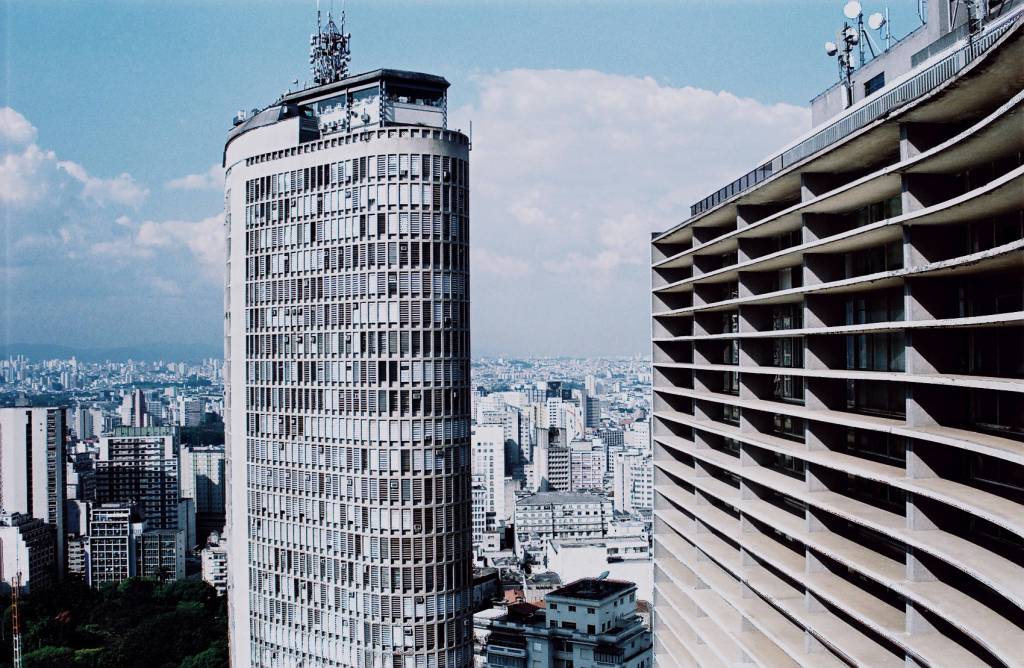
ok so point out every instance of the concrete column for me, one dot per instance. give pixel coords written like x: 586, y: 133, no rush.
x: 916, y: 519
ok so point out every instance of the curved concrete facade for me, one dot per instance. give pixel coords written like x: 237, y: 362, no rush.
x: 839, y: 393
x: 347, y: 346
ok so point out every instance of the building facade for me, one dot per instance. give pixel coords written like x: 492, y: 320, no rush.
x: 838, y: 378
x: 215, y: 563
x: 140, y: 464
x: 546, y: 516
x: 203, y: 479
x: 347, y: 373
x: 28, y: 553
x: 110, y: 550
x: 33, y: 446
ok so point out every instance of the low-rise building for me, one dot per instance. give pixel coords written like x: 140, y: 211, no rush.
x: 586, y: 623
x: 542, y: 517
x: 215, y: 563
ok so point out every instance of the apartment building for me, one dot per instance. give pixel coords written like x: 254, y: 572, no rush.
x: 838, y: 376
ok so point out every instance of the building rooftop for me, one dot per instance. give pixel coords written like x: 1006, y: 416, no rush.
x: 592, y: 589
x: 926, y: 75
x: 547, y: 498
x: 391, y: 76
x: 547, y: 577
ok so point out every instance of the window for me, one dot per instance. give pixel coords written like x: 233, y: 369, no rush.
x: 874, y: 84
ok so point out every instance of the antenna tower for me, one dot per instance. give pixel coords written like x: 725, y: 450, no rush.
x: 329, y: 51
x: 16, y: 620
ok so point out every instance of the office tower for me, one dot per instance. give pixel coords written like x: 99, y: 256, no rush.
x: 160, y: 554
x: 488, y: 448
x: 551, y: 460
x: 203, y: 480
x: 632, y: 481
x: 133, y: 409
x: 110, y: 550
x: 28, y: 548
x: 589, y: 622
x: 140, y: 464
x: 84, y: 423
x: 347, y: 377
x: 639, y: 436
x: 32, y: 453
x: 190, y: 411
x: 588, y: 461
x: 839, y: 388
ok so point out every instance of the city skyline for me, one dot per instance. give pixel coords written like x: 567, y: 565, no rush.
x: 143, y: 235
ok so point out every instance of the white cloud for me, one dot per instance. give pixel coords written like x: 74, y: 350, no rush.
x: 165, y: 286
x: 489, y: 262
x: 211, y: 179
x: 572, y: 171
x: 202, y: 239
x: 121, y: 189
x: 15, y: 128
x: 24, y: 175
x: 28, y: 172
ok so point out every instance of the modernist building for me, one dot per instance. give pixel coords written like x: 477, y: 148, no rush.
x: 140, y: 464
x: 347, y: 372
x: 488, y: 454
x: 33, y: 443
x: 160, y: 554
x: 110, y: 550
x: 215, y: 563
x: 589, y: 622
x: 203, y: 479
x: 838, y: 378
x: 546, y: 516
x: 28, y: 553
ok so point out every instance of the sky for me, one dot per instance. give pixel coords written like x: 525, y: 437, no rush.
x: 594, y: 124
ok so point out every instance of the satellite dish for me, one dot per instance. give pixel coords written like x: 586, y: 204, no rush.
x: 852, y: 36
x: 876, y: 21
x: 852, y: 9
x: 831, y: 48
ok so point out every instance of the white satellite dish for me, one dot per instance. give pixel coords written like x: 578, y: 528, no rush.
x: 852, y: 36
x: 876, y: 21
x: 852, y: 9
x: 831, y: 48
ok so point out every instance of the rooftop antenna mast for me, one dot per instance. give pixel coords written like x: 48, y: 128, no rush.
x: 16, y: 620
x: 329, y: 51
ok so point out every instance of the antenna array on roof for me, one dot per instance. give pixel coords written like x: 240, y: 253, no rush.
x: 329, y: 51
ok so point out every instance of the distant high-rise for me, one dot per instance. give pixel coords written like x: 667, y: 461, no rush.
x: 838, y: 375
x: 141, y: 465
x: 133, y: 409
x: 347, y: 406
x: 203, y: 480
x: 32, y: 455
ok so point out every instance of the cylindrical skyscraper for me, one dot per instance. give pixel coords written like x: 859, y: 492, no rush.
x: 347, y: 371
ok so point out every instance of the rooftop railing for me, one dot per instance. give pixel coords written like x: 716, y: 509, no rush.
x: 924, y: 81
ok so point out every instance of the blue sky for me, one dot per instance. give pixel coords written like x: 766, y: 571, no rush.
x: 113, y: 104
